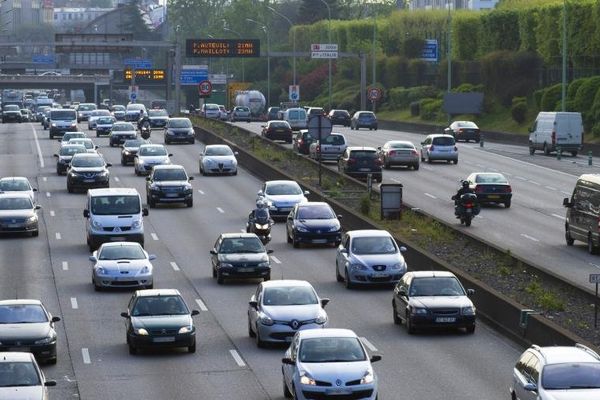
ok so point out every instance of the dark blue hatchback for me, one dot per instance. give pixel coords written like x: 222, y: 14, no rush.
x: 315, y: 223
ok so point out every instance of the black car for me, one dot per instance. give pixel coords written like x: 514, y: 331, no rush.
x: 358, y: 162
x: 104, y: 125
x: 159, y: 318
x: 65, y: 154
x: 433, y: 299
x: 179, y: 130
x: 302, y: 141
x: 87, y: 170
x: 314, y: 223
x: 363, y: 119
x: 491, y: 187
x: 121, y: 131
x: 26, y: 325
x: 278, y: 130
x: 339, y: 117
x: 240, y: 255
x: 464, y: 130
x: 130, y: 149
x: 158, y: 118
x: 169, y: 184
x: 11, y: 113
x: 273, y: 113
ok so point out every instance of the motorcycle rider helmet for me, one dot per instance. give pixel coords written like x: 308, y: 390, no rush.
x: 261, y: 203
x: 465, y: 184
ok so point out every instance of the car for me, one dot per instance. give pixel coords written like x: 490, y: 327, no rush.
x: 583, y: 213
x: 39, y: 113
x: 133, y: 111
x: 26, y: 325
x: 18, y: 214
x: 17, y: 184
x: 277, y: 130
x: 120, y: 132
x: 433, y: 299
x: 359, y: 162
x: 278, y: 309
x: 223, y: 113
x: 179, y: 130
x: 240, y: 113
x: 210, y: 110
x: 71, y: 135
x: 329, y: 148
x: 22, y: 377
x: 464, y: 130
x: 130, y: 149
x: 339, y: 117
x: 64, y: 156
x: 398, y: 152
x: 46, y: 119
x: 314, y: 223
x: 149, y: 156
x: 11, y: 113
x: 439, y: 147
x: 369, y: 256
x: 314, y: 111
x: 84, y: 110
x: 88, y: 143
x: 87, y: 170
x: 159, y: 318
x: 363, y: 119
x: 301, y: 141
x: 104, y: 125
x: 94, y: 115
x: 328, y: 364
x: 169, y: 184
x: 60, y: 121
x: 158, y: 104
x: 158, y: 118
x: 118, y: 111
x: 490, y: 187
x: 282, y: 196
x: 556, y: 372
x: 273, y: 113
x: 122, y: 264
x: 240, y: 256
x: 26, y: 115
x: 296, y: 117
x: 218, y: 159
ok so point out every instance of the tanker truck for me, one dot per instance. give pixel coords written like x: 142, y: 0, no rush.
x: 254, y: 100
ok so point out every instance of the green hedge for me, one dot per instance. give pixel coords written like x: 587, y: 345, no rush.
x: 551, y: 97
x: 430, y: 109
x: 584, y: 99
x: 401, y: 98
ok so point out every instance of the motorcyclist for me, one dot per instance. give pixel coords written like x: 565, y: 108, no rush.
x: 464, y: 188
x: 260, y: 214
x: 143, y: 120
x: 192, y: 109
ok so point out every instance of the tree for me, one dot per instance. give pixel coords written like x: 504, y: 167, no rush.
x: 314, y: 10
x: 133, y: 21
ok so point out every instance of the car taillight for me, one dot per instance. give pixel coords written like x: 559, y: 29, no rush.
x: 468, y: 205
x: 318, y: 148
x: 508, y: 189
x: 553, y: 137
x: 299, y: 141
x: 460, y: 130
x: 392, y: 153
x: 351, y: 161
x: 378, y: 162
x: 414, y: 152
x: 478, y: 189
x: 455, y: 148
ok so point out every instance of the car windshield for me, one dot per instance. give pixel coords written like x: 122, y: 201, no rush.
x: 18, y: 373
x: 86, y: 143
x: 158, y: 113
x: 135, y: 107
x: 217, y: 151
x: 152, y: 151
x: 134, y: 143
x: 105, y: 121
x: 100, y: 112
x: 243, y: 109
x: 331, y: 349
x: 443, y: 141
x: 115, y: 205
x: 180, y: 123
x: 466, y: 124
x: 70, y: 150
x: 374, y: 245
x: 315, y: 212
x: 122, y: 252
x: 279, y: 124
x: 159, y: 305
x: 289, y: 296
x: 73, y: 135
x: 241, y: 245
x: 11, y: 107
x: 14, y: 185
x: 283, y: 189
x: 341, y: 113
x: 334, y: 140
x: 211, y: 107
x: 15, y: 203
x: 369, y: 154
x: 436, y: 286
x: 401, y: 145
x: 123, y: 127
x: 490, y: 178
x: 87, y: 162
x: 86, y: 107
x: 22, y: 314
x: 170, y: 174
x: 118, y: 108
x: 571, y: 376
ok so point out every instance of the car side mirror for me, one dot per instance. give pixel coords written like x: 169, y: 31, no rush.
x: 402, y: 249
x: 213, y: 252
x: 339, y: 216
x: 201, y: 154
x: 50, y: 383
x: 194, y: 312
x: 93, y: 258
x: 152, y: 257
x: 530, y: 387
x: 375, y: 358
x: 144, y: 212
x: 191, y: 178
x: 270, y: 251
x: 253, y: 304
x: 306, y: 192
x: 170, y: 154
x: 35, y: 190
x: 379, y: 148
x: 55, y: 319
x: 260, y: 193
x: 38, y: 207
x: 236, y: 153
x: 125, y: 314
x: 402, y: 292
x: 470, y: 292
x: 342, y: 249
x: 324, y: 302
x: 567, y: 203
x: 287, y: 360
x: 263, y: 126
x: 86, y: 213
x: 56, y: 155
x: 107, y: 164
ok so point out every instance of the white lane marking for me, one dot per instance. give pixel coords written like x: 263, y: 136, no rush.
x: 550, y: 188
x: 74, y: 304
x: 535, y: 183
x: 58, y: 237
x: 116, y: 179
x: 219, y: 209
x: 368, y: 344
x: 154, y: 236
x: 559, y: 216
x: 277, y: 261
x: 507, y: 173
x: 85, y: 353
x: 243, y: 230
x: 52, y: 213
x: 200, y: 191
x: 567, y: 193
x: 37, y: 146
x: 529, y: 237
x: 595, y: 265
x: 201, y: 305
x: 48, y: 194
x: 65, y: 266
x: 174, y: 266
x: 430, y: 195
x: 396, y: 180
x: 45, y: 179
x: 425, y: 167
x: 520, y: 177
x: 237, y: 358
x: 493, y: 170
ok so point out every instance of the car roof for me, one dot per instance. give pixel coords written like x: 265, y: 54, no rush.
x: 566, y: 354
x: 313, y: 204
x: 112, y: 191
x: 152, y: 145
x: 15, y: 356
x: 432, y: 274
x: 119, y: 244
x: 215, y: 146
x: 14, y: 178
x: 238, y: 235
x: 368, y: 233
x: 87, y: 155
x: 19, y: 302
x: 157, y: 292
x: 179, y: 119
x: 326, y: 332
x: 592, y: 178
x: 280, y: 181
x: 286, y: 283
x: 436, y: 135
x: 170, y: 166
x: 361, y: 148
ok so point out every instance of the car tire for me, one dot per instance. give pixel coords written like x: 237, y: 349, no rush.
x: 422, y: 158
x: 592, y: 249
x: 123, y: 163
x: 250, y: 331
x: 574, y: 153
x: 52, y: 361
x: 470, y: 329
x: 568, y: 237
x: 214, y: 272
x: 546, y: 149
x: 288, y: 237
x: 261, y: 344
x: 295, y: 242
x: 429, y: 160
x: 151, y: 286
x: 97, y: 134
x: 267, y: 277
x: 220, y: 279
x: 193, y: 141
x: 531, y: 150
x: 167, y: 141
x: 416, y: 167
x: 386, y: 164
x: 338, y: 276
x: 507, y: 204
x: 132, y: 349
x: 35, y: 233
x: 409, y: 325
x: 97, y: 288
x: 455, y: 161
x: 189, y: 203
x: 347, y: 282
x: 192, y: 348
x: 151, y: 203
x: 286, y: 392
x: 397, y: 319
x: 69, y: 188
x: 137, y: 173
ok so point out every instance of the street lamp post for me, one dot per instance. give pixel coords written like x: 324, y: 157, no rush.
x: 449, y: 51
x: 293, y: 41
x: 266, y: 31
x: 564, y: 57
x: 329, y: 39
x: 374, y: 66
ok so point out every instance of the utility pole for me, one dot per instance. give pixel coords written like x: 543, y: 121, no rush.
x: 564, y: 57
x: 177, y: 71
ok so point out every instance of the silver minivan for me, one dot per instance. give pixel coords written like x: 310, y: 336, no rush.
x: 296, y: 117
x: 329, y: 148
x: 439, y: 147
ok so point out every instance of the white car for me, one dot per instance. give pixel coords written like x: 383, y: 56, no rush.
x: 150, y: 155
x: 282, y: 196
x: 72, y: 135
x: 86, y: 142
x: 93, y: 118
x: 19, y: 184
x: 122, y: 264
x: 22, y: 378
x: 210, y: 111
x: 133, y: 111
x: 328, y: 363
x: 218, y: 159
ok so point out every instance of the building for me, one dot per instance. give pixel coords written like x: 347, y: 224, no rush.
x: 453, y: 4
x: 17, y: 13
x: 73, y: 19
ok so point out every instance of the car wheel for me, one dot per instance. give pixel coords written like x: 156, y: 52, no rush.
x: 220, y: 279
x: 259, y: 342
x: 267, y: 277
x: 52, y: 361
x: 397, y: 319
x: 69, y: 188
x: 97, y: 134
x: 123, y: 163
x: 531, y: 150
x: 151, y: 203
x: 338, y: 276
x: 455, y: 161
x: 132, y: 349
x: 214, y: 272
x: 546, y: 149
x: 470, y: 329
x: 250, y: 331
x: 35, y: 233
x: 568, y: 237
x: 193, y: 141
x: 409, y: 325
x: 592, y: 248
x: 137, y: 173
x: 507, y: 204
x: 286, y: 392
x: 295, y: 243
x: 347, y: 282
x: 190, y: 203
x: 386, y: 164
x: 167, y: 141
x: 422, y: 158
x: 574, y: 153
x: 287, y: 236
x: 416, y: 167
x: 192, y: 348
x: 429, y: 160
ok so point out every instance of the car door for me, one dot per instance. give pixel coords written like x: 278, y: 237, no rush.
x: 290, y: 221
x: 292, y: 352
x: 253, y: 311
x: 343, y: 160
x: 130, y: 305
x: 214, y: 257
x: 425, y: 146
x: 342, y: 254
x: 402, y: 299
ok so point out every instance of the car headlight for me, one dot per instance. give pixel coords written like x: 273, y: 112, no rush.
x: 73, y: 125
x: 419, y: 311
x: 306, y: 379
x: 265, y: 319
x: 357, y: 267
x: 234, y: 162
x: 186, y: 329
x: 300, y: 228
x: 260, y: 226
x: 322, y: 318
x: 33, y: 218
x: 140, y: 161
x: 263, y: 264
x: 96, y: 224
x: 209, y: 161
x: 399, y: 266
x: 226, y: 265
x: 126, y: 152
x: 47, y: 340
x: 100, y: 271
x: 191, y: 132
x: 136, y: 224
x: 141, y: 332
x: 145, y: 270
x: 54, y: 125
x: 368, y: 377
x: 334, y: 228
x: 103, y: 173
x: 470, y: 310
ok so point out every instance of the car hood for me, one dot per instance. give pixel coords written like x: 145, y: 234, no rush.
x: 16, y: 213
x: 441, y: 301
x: 153, y: 159
x: 576, y: 394
x: 162, y: 321
x: 286, y: 199
x: 131, y: 148
x: 288, y: 313
x: 117, y: 266
x: 24, y: 331
x: 318, y: 223
x: 376, y: 259
x: 88, y: 169
x: 171, y: 183
x: 218, y: 159
x: 244, y: 257
x: 330, y: 372
x: 22, y: 393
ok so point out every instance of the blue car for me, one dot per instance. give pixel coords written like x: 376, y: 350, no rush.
x: 314, y: 223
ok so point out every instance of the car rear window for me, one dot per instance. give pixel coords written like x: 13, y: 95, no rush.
x: 444, y: 141
x: 571, y: 376
x: 490, y: 178
x: 279, y: 124
x: 402, y: 146
x: 335, y: 140
x: 363, y: 154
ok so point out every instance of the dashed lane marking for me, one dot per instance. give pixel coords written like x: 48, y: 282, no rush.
x: 430, y: 195
x: 65, y: 266
x: 219, y: 209
x: 201, y: 305
x: 550, y: 188
x: 85, y: 353
x: 45, y: 179
x: 74, y: 304
x: 238, y: 359
x: 559, y: 216
x: 368, y: 344
x: 529, y: 237
x: 154, y: 236
x: 58, y: 237
x: 174, y: 266
x: 37, y: 146
x: 48, y: 194
x: 52, y: 213
x: 117, y: 179
x: 535, y: 183
x: 200, y: 191
x: 277, y: 261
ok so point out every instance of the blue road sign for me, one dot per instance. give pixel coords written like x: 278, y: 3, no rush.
x: 42, y: 58
x: 132, y: 96
x: 430, y: 50
x: 193, y: 76
x: 136, y: 63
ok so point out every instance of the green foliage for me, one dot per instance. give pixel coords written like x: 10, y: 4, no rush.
x: 550, y: 98
x: 537, y: 98
x: 413, y: 47
x: 572, y: 92
x: 467, y: 88
x: 500, y: 32
x: 518, y: 110
x: 415, y: 108
x: 584, y: 99
x: 544, y: 298
x: 394, y: 72
x: 417, y: 70
x: 400, y: 97
x: 466, y: 35
x: 365, y: 204
x: 594, y: 114
x: 430, y: 109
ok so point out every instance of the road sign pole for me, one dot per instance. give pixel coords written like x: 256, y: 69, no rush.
x: 596, y: 308
x: 132, y: 83
x: 319, y: 147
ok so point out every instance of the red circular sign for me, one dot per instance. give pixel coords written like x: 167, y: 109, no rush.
x: 204, y: 87
x: 374, y: 94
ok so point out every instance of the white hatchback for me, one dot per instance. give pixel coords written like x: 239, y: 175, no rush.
x: 21, y: 378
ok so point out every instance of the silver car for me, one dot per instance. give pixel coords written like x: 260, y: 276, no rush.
x: 369, y: 256
x: 218, y: 159
x: 17, y: 184
x: 122, y: 264
x: 72, y: 135
x: 18, y: 214
x: 150, y: 155
x: 328, y: 364
x: 93, y: 118
x: 399, y: 152
x: 282, y: 196
x: 88, y: 143
x: 240, y: 113
x: 278, y: 309
x: 439, y: 147
x: 328, y: 149
x: 22, y: 378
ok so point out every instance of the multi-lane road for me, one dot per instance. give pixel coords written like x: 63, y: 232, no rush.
x: 93, y: 359
x: 533, y: 228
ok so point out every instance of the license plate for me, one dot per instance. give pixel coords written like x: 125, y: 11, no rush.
x: 364, y: 169
x: 285, y: 209
x: 117, y: 238
x: 166, y: 339
x: 246, y: 269
x: 445, y: 319
x: 338, y: 392
x: 319, y: 240
x: 380, y: 275
x: 19, y: 349
x: 171, y: 194
x: 333, y: 149
x: 493, y: 196
x: 88, y: 180
x: 13, y: 225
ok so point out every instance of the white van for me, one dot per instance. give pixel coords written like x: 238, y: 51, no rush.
x: 61, y: 121
x: 114, y: 215
x: 554, y: 130
x: 296, y: 117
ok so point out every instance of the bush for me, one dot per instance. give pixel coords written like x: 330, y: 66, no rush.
x: 519, y: 112
x: 594, y: 114
x: 584, y: 99
x: 401, y: 97
x: 551, y: 97
x: 537, y: 98
x: 430, y: 109
x: 415, y: 108
x: 596, y: 130
x: 365, y: 204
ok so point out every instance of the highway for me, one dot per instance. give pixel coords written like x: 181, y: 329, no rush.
x: 93, y: 359
x: 533, y: 228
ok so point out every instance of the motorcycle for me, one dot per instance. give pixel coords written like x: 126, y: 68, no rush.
x: 467, y: 207
x: 260, y: 224
x: 145, y: 132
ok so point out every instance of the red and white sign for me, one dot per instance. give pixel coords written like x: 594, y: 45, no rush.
x: 324, y: 47
x: 374, y: 94
x: 204, y: 88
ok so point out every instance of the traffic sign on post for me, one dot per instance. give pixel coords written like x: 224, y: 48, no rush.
x: 205, y: 88
x: 294, y: 93
x: 319, y: 127
x: 326, y: 50
x: 137, y: 63
x: 374, y: 94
